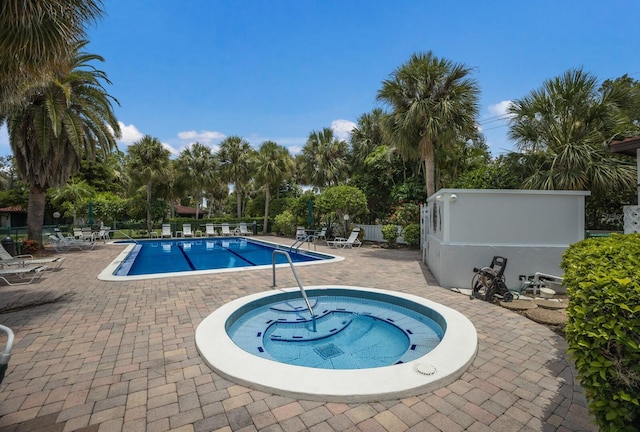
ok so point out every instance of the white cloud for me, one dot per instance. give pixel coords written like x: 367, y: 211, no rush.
x: 342, y: 128
x: 203, y: 137
x: 500, y: 109
x: 172, y: 149
x: 130, y: 134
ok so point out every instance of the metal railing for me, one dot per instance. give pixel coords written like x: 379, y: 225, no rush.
x: 295, y: 275
x: 307, y: 238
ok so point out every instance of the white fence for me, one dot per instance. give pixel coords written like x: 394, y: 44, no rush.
x: 373, y: 233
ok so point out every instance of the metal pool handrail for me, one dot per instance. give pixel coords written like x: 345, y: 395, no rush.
x: 302, y: 291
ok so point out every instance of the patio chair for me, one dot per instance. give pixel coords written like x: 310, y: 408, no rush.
x: 301, y: 233
x: 5, y: 356
x: 210, y: 231
x: 225, y: 230
x: 347, y: 242
x: 322, y: 234
x: 64, y: 244
x: 22, y: 260
x: 21, y: 275
x: 103, y: 234
x: 166, y: 231
x: 244, y: 230
x: 186, y: 230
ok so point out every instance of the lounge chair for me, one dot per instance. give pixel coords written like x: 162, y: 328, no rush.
x: 346, y: 242
x: 186, y: 230
x: 21, y: 275
x: 210, y: 231
x: 322, y: 234
x: 103, y: 234
x: 225, y: 230
x: 23, y: 260
x: 244, y: 230
x: 166, y: 231
x: 77, y: 233
x: 64, y: 244
x: 301, y: 233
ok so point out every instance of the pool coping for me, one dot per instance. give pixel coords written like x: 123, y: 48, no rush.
x: 107, y: 274
x: 440, y: 367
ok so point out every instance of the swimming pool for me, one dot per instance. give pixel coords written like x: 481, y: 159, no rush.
x: 408, y: 376
x: 178, y: 257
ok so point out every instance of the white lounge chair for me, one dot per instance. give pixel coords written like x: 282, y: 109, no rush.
x: 322, y: 234
x: 225, y: 230
x: 210, y: 231
x: 346, y: 242
x: 28, y: 260
x: 21, y: 275
x: 166, y: 231
x: 103, y: 234
x: 186, y: 230
x: 64, y: 244
x: 244, y: 230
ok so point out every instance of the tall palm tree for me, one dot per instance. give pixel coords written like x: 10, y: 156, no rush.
x: 67, y: 120
x: 433, y: 103
x: 561, y: 130
x: 324, y: 159
x: 197, y: 169
x: 236, y: 162
x: 149, y: 163
x: 37, y: 37
x: 274, y: 164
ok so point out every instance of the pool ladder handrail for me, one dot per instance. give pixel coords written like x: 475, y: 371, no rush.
x: 295, y: 275
x: 307, y: 238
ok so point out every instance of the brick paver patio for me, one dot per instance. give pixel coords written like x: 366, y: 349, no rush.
x: 97, y: 356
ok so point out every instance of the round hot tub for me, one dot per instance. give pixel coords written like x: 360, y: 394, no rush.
x: 346, y: 344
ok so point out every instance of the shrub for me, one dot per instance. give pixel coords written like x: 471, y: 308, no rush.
x: 284, y: 223
x: 602, y: 276
x: 390, y: 234
x: 29, y: 246
x: 411, y: 234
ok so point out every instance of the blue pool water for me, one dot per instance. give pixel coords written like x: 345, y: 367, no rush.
x: 351, y: 332
x: 169, y: 256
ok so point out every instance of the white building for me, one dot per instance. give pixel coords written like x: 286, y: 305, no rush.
x: 466, y: 228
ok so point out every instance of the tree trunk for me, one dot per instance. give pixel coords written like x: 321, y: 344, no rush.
x: 267, y: 197
x: 429, y: 167
x: 149, y: 188
x: 35, y: 212
x: 239, y: 199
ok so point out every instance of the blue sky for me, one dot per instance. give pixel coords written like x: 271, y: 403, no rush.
x: 202, y: 70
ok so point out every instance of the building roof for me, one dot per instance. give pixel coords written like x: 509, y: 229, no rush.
x: 184, y: 210
x: 627, y: 146
x: 13, y: 209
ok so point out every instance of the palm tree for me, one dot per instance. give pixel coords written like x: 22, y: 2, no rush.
x: 68, y: 120
x: 149, y: 164
x: 324, y: 159
x: 73, y: 192
x: 37, y: 37
x: 197, y: 169
x: 561, y: 130
x: 236, y: 162
x: 273, y: 165
x: 433, y: 103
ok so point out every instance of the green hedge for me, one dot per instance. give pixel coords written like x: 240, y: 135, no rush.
x: 602, y: 276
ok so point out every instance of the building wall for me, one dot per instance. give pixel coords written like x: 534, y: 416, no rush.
x: 466, y: 228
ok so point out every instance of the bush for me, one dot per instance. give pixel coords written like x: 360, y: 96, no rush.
x: 29, y: 246
x: 411, y: 234
x: 284, y: 223
x: 390, y: 234
x: 602, y: 276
